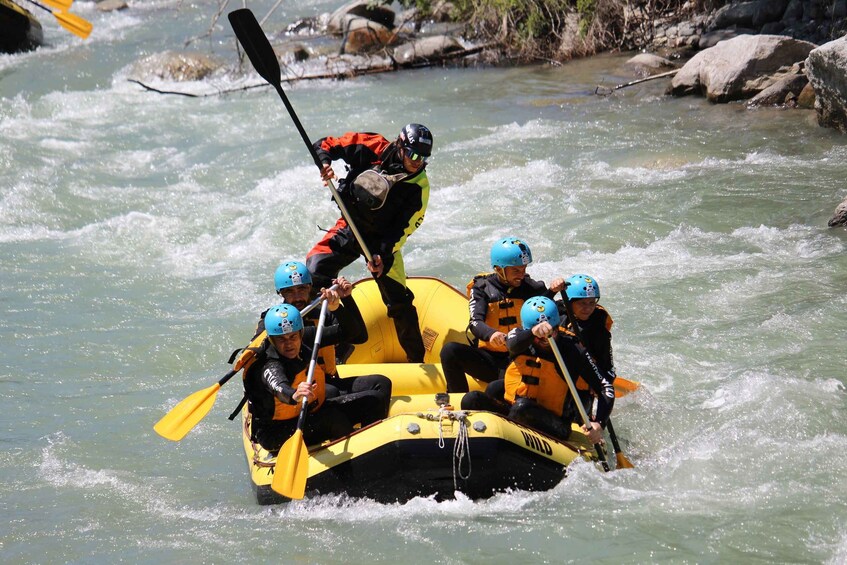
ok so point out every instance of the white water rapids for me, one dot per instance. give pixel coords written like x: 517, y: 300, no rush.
x: 139, y: 234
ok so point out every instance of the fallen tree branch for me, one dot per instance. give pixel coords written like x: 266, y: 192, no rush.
x: 605, y: 91
x: 191, y: 94
x: 338, y: 75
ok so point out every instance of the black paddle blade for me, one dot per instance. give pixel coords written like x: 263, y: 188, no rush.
x: 256, y: 45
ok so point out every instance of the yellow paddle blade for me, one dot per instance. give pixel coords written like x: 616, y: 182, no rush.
x: 624, y: 386
x: 622, y: 461
x: 74, y: 24
x: 62, y: 5
x: 292, y: 466
x: 185, y: 415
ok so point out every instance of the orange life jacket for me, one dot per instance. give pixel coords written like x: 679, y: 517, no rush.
x: 290, y: 411
x: 537, y: 378
x: 502, y: 315
x: 254, y: 352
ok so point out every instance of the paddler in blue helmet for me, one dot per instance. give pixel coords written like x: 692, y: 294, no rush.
x: 293, y: 283
x: 386, y: 192
x: 536, y: 393
x: 495, y: 303
x: 588, y: 320
x: 275, y: 384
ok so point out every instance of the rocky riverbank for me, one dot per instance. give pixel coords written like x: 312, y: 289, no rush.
x: 787, y: 53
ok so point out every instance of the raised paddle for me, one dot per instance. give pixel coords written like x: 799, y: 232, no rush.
x: 601, y: 453
x: 72, y: 23
x: 182, y: 418
x: 292, y: 461
x: 620, y: 458
x: 262, y: 56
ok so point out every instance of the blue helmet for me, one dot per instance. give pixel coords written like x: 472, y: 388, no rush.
x: 581, y: 286
x: 510, y: 252
x: 539, y: 309
x: 293, y: 273
x: 283, y: 319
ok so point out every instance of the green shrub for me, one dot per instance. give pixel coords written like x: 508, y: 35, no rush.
x: 528, y: 29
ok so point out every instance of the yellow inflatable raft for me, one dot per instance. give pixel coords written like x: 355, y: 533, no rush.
x: 19, y: 29
x: 427, y: 452
x: 423, y: 449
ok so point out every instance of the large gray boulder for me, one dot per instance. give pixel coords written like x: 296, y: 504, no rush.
x: 740, y: 14
x: 794, y: 11
x: 839, y: 217
x: 426, y: 48
x: 645, y: 64
x: 740, y: 67
x: 827, y: 71
x: 178, y: 66
x: 753, y: 14
x: 111, y: 5
x: 714, y: 37
x: 768, y: 11
x: 785, y: 91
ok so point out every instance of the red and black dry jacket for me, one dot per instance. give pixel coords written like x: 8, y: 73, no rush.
x: 386, y: 229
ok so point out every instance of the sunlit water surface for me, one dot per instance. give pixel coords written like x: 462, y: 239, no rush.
x: 139, y: 233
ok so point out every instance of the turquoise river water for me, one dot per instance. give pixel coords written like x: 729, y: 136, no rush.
x: 139, y: 233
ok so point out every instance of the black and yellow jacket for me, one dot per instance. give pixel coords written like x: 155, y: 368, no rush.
x: 384, y: 230
x: 271, y: 380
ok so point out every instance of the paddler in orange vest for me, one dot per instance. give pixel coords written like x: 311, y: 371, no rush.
x: 536, y: 392
x: 275, y: 385
x: 495, y: 303
x: 293, y: 282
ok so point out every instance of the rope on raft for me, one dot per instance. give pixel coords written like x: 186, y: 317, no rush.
x: 462, y: 446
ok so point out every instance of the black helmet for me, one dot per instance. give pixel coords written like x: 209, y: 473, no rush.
x: 416, y: 138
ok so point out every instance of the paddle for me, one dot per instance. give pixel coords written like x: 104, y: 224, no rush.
x: 624, y: 386
x: 262, y: 56
x: 61, y: 5
x: 70, y: 22
x: 620, y: 458
x: 292, y: 461
x: 601, y: 453
x: 182, y: 418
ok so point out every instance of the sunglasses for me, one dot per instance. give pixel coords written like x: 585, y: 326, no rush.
x: 415, y: 156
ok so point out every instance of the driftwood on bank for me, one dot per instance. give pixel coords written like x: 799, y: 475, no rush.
x: 348, y: 72
x: 605, y: 91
